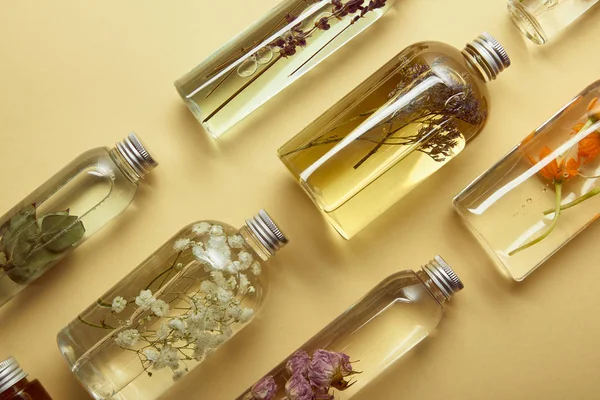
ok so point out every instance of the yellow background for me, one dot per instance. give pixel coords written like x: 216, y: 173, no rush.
x: 81, y: 74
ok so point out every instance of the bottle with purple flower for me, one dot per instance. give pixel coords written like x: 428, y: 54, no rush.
x: 394, y: 130
x: 340, y: 360
x: 270, y: 55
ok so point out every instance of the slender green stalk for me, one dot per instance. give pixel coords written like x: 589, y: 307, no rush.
x: 558, y: 199
x: 578, y: 200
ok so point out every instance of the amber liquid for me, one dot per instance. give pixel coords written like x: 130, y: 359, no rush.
x: 380, y: 141
x: 25, y: 390
x: 375, y: 332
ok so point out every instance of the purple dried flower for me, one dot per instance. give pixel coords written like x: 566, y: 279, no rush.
x: 298, y: 388
x: 328, y: 368
x: 265, y: 389
x: 323, y: 24
x: 298, y: 363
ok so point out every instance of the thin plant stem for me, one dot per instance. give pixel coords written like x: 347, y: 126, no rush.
x: 167, y: 271
x: 318, y: 51
x: 558, y: 199
x: 240, y: 90
x: 578, y: 200
x: 103, y: 326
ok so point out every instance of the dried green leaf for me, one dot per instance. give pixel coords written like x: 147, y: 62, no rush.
x: 24, y: 219
x: 38, y: 262
x: 3, y: 259
x: 59, y: 231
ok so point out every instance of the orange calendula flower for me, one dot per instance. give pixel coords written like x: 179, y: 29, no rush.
x: 589, y: 148
x: 556, y: 171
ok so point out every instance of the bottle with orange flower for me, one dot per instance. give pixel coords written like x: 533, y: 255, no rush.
x: 543, y: 192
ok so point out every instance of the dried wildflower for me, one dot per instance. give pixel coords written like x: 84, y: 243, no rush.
x: 299, y: 388
x: 298, y: 363
x: 265, y: 389
x: 118, y: 304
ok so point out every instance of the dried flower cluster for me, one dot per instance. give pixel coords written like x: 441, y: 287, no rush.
x: 167, y: 328
x: 311, y: 378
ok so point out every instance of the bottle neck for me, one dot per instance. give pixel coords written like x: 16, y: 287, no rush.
x: 486, y: 57
x: 263, y: 235
x: 133, y: 158
x: 10, y: 375
x: 441, y: 281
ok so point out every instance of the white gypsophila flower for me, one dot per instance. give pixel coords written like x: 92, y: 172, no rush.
x: 256, y: 269
x: 208, y: 287
x: 199, y: 353
x: 177, y: 375
x: 168, y: 357
x: 227, y: 332
x: 251, y: 290
x: 197, y: 317
x: 219, y: 278
x: 199, y: 252
x: 150, y: 354
x: 231, y: 282
x: 246, y: 315
x: 236, y: 241
x: 163, y: 332
x: 223, y: 295
x: 244, y: 283
x: 204, y: 340
x: 233, y: 312
x: 177, y: 324
x: 181, y: 244
x: 160, y: 308
x: 128, y: 338
x: 245, y: 259
x: 118, y: 304
x: 201, y: 228
x: 217, y: 242
x: 230, y: 268
x: 145, y: 299
x: 217, y: 230
x: 219, y: 257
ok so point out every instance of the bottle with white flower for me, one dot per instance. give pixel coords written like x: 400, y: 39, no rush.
x: 175, y: 309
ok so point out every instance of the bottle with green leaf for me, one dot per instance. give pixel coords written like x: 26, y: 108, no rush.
x: 71, y: 206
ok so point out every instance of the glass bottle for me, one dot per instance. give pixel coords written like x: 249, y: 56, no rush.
x: 340, y: 360
x: 541, y: 20
x: 542, y: 193
x: 394, y: 130
x: 271, y: 54
x: 177, y: 307
x: 66, y: 210
x: 14, y: 384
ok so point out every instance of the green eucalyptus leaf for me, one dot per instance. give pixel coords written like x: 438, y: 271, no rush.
x: 20, y: 251
x: 3, y: 259
x: 38, y: 262
x: 59, y: 231
x: 22, y: 222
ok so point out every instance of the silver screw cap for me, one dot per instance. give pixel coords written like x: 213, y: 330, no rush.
x: 10, y: 373
x: 487, y: 55
x: 443, y: 276
x: 133, y: 150
x: 267, y: 232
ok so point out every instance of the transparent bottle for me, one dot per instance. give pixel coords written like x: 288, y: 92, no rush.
x: 177, y: 307
x: 542, y: 193
x: 14, y: 384
x: 66, y: 210
x: 394, y: 130
x: 340, y: 360
x: 541, y: 20
x: 271, y: 54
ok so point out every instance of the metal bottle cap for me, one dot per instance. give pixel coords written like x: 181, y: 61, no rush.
x: 443, y: 276
x: 267, y: 232
x: 487, y: 55
x: 137, y: 155
x: 10, y: 373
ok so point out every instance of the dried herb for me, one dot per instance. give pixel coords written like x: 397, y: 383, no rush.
x: 436, y: 110
x: 28, y: 245
x: 287, y: 45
